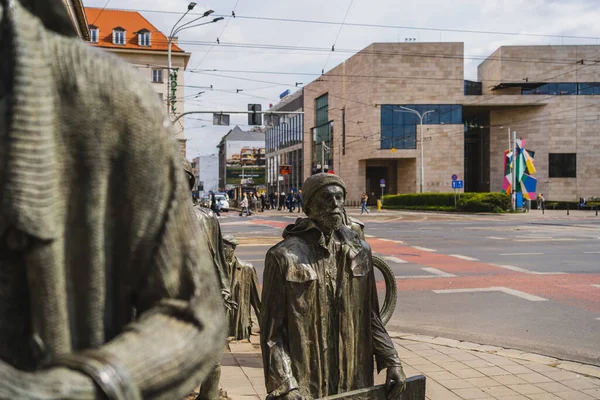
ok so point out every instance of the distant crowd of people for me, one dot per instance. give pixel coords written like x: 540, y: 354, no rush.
x: 252, y: 202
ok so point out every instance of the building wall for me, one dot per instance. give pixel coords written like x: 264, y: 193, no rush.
x: 552, y: 123
x: 208, y: 172
x: 388, y: 73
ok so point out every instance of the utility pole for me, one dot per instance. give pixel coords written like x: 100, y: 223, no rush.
x: 323, y: 147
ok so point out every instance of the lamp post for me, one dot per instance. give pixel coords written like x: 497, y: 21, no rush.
x: 174, y: 31
x: 421, y: 116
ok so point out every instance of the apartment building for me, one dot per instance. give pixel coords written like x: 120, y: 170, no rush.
x: 133, y: 38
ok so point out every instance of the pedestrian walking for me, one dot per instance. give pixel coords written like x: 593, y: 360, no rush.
x: 214, y: 205
x: 363, y: 203
x: 299, y: 200
x: 272, y: 200
x: 244, y: 206
x: 282, y: 200
x: 291, y: 202
x: 540, y: 201
x: 263, y: 201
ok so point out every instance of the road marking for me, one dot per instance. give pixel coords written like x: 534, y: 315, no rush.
x: 424, y: 249
x: 437, y: 272
x: 598, y: 286
x: 534, y: 237
x: 464, y: 257
x: 370, y: 236
x: 591, y: 252
x: 496, y: 238
x: 521, y: 254
x: 390, y: 240
x: 415, y: 276
x: 396, y: 260
x: 526, y: 271
x: 512, y: 292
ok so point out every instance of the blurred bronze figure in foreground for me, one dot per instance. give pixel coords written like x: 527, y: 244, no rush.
x: 320, y: 323
x: 107, y: 289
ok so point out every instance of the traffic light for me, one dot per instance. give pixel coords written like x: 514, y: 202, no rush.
x: 255, y: 115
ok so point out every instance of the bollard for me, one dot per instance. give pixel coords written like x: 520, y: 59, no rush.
x: 543, y: 209
x: 596, y: 211
x: 567, y: 208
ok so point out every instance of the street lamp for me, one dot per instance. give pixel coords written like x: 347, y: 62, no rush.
x: 421, y: 116
x: 174, y: 31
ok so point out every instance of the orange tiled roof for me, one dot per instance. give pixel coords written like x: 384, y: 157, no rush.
x: 131, y: 22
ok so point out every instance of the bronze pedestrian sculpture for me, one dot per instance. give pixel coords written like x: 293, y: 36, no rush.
x: 106, y: 289
x: 320, y: 322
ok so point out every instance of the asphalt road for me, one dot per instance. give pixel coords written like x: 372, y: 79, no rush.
x: 530, y: 281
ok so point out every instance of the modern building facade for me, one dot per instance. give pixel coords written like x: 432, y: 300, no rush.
x: 283, y: 141
x: 133, y: 38
x: 362, y: 118
x: 242, y: 160
x: 206, y: 170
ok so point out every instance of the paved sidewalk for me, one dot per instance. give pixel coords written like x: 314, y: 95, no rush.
x: 454, y: 370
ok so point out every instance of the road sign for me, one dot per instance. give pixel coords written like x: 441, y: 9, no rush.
x: 254, y: 116
x: 454, y: 177
x: 285, y: 169
x: 221, y: 119
x: 457, y: 184
x: 382, y: 182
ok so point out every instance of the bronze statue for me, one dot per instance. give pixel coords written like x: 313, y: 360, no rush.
x: 320, y: 322
x: 106, y: 289
x: 244, y: 290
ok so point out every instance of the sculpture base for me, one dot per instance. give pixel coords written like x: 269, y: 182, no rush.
x: 415, y: 390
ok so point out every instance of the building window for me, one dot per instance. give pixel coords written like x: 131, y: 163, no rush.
x: 119, y: 36
x: 157, y: 75
x: 399, y: 128
x: 564, y: 89
x: 144, y: 38
x: 322, y: 129
x: 562, y: 165
x: 94, y: 32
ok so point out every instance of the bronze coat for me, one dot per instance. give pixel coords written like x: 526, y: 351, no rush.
x: 295, y: 315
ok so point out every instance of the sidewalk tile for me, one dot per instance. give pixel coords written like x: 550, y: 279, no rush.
x: 543, y: 396
x: 441, y: 375
x: 435, y: 391
x: 416, y: 347
x: 468, y: 373
x: 455, y: 384
x: 429, y: 367
x: 471, y: 393
x: 483, y: 382
x: 464, y: 356
x: 574, y: 395
x: 430, y: 353
x: 479, y: 363
x: 508, y: 379
x: 581, y: 384
x: 526, y: 389
x: 498, y: 391
x: 542, y: 368
x: 534, y: 377
x: 517, y: 369
x: 441, y: 359
x: 595, y: 393
x: 453, y: 365
x: 553, y: 387
x: 560, y: 375
x: 516, y: 397
x: 492, y: 371
x: 416, y: 361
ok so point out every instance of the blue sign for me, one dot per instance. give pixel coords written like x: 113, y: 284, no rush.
x: 454, y: 177
x: 382, y: 182
x: 286, y: 93
x: 457, y: 184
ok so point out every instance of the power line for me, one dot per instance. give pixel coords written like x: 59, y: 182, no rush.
x: 101, y: 11
x: 220, y: 34
x: 385, y: 26
x: 338, y: 34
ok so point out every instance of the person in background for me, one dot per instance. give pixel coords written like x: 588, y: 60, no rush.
x: 363, y: 203
x: 281, y: 202
x: 291, y: 202
x: 244, y: 206
x: 214, y: 206
x: 299, y: 200
x: 263, y: 201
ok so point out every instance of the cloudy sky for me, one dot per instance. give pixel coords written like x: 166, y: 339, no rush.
x: 284, y: 54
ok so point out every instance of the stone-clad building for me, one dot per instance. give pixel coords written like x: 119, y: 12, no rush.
x: 549, y: 95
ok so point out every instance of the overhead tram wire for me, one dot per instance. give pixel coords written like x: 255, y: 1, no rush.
x: 385, y: 26
x: 365, y: 52
x: 338, y: 35
x: 220, y: 34
x: 101, y: 11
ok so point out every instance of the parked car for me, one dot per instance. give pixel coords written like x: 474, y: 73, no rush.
x: 223, y: 201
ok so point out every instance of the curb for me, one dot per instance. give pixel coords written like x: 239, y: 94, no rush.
x: 579, y: 368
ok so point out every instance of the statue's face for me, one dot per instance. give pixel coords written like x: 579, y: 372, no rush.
x: 229, y: 252
x: 327, y: 207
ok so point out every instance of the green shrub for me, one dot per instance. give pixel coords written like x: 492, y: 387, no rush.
x: 469, y: 202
